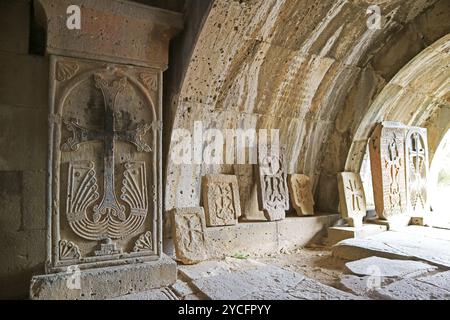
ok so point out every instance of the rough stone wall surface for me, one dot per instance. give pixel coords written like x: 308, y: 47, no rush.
x: 309, y: 68
x: 23, y: 152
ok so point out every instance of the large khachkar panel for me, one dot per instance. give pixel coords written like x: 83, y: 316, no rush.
x: 105, y: 157
x: 417, y: 166
x: 387, y: 158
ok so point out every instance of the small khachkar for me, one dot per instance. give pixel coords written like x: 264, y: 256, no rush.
x: 189, y: 235
x: 352, y: 198
x: 221, y: 200
x: 273, y: 194
x: 301, y: 195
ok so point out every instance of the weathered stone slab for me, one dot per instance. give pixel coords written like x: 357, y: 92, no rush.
x: 387, y: 159
x: 381, y: 267
x: 410, y: 289
x: 188, y: 225
x: 273, y: 194
x: 352, y: 198
x: 441, y: 280
x: 396, y: 245
x: 267, y: 282
x: 104, y: 283
x: 221, y: 200
x: 301, y: 196
x: 157, y: 294
x: 360, y: 286
x: 417, y: 167
x: 337, y: 234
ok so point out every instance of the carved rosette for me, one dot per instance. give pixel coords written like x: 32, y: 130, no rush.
x: 150, y: 80
x: 68, y: 250
x: 144, y: 243
x: 66, y: 70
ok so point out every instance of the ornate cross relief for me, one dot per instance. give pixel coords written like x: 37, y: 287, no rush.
x: 352, y: 198
x: 273, y: 194
x: 417, y: 166
x: 387, y: 158
x: 105, y: 158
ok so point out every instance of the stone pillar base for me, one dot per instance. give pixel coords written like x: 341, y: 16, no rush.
x: 104, y: 283
x: 395, y: 223
x: 338, y: 234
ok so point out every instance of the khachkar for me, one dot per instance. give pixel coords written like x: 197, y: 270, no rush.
x: 352, y: 199
x: 417, y: 167
x: 387, y: 158
x: 105, y: 123
x: 273, y: 193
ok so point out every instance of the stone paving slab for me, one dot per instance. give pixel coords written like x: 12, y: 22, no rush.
x: 441, y: 280
x: 381, y: 267
x: 360, y: 286
x: 410, y: 289
x: 397, y: 245
x: 157, y: 294
x: 267, y: 282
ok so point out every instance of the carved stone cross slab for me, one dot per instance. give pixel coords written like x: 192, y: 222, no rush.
x: 387, y: 159
x: 221, y: 200
x: 189, y: 235
x: 352, y: 198
x: 105, y: 180
x: 301, y: 194
x: 417, y: 167
x: 273, y: 194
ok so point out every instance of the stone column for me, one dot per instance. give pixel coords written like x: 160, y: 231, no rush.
x: 104, y: 192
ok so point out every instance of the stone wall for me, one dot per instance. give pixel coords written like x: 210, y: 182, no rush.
x: 23, y: 152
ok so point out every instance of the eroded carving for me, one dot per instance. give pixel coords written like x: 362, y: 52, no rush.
x: 273, y: 192
x: 66, y: 70
x: 68, y: 250
x: 150, y: 80
x: 352, y: 198
x: 417, y: 167
x: 301, y: 196
x: 144, y: 243
x: 189, y: 235
x: 221, y: 200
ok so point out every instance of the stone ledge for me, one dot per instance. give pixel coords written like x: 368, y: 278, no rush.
x: 255, y: 238
x: 106, y: 283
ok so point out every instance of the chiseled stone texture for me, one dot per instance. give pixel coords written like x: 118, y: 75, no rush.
x: 352, y: 199
x: 410, y: 289
x: 105, y: 283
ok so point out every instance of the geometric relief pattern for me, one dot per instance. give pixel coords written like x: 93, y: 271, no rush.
x: 144, y: 243
x: 301, y: 194
x: 417, y: 167
x: 189, y: 234
x: 68, y: 250
x: 387, y: 152
x: 273, y: 193
x: 221, y: 200
x: 352, y: 198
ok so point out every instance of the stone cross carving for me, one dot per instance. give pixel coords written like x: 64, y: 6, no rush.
x: 301, y: 195
x: 352, y: 198
x: 221, y: 200
x: 101, y: 226
x: 417, y: 167
x: 189, y: 234
x: 387, y: 158
x: 273, y: 195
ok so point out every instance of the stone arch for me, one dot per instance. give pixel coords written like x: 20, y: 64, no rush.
x: 311, y: 69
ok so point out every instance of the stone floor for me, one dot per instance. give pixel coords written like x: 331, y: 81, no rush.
x: 412, y: 263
